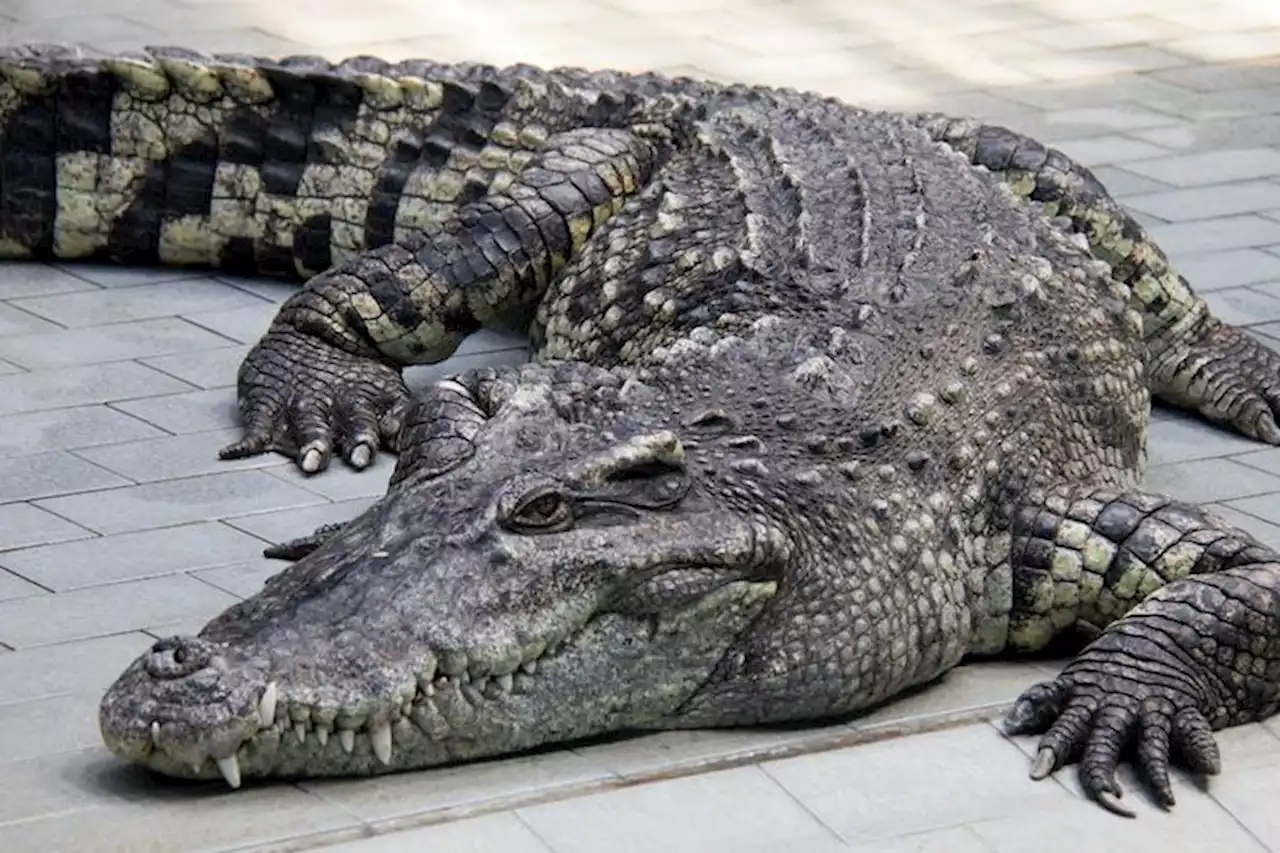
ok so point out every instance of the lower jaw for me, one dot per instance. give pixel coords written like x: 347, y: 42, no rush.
x: 425, y: 738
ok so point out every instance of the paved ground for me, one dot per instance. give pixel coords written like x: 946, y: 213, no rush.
x: 118, y: 525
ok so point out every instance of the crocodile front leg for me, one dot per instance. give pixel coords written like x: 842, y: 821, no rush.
x: 1193, y: 360
x: 326, y: 376
x: 1189, y: 613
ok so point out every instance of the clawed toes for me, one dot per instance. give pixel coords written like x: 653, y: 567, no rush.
x: 1035, y: 709
x: 1094, y: 727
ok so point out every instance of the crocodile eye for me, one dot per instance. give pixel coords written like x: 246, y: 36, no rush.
x: 543, y: 511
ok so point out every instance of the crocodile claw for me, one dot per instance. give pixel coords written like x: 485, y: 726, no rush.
x: 306, y: 399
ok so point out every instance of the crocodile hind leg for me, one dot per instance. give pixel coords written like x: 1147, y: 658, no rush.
x: 1188, y: 614
x: 1193, y: 360
x: 326, y: 376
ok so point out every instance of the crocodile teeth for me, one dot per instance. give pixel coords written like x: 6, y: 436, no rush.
x: 300, y: 732
x: 155, y: 731
x: 322, y: 735
x: 229, y: 767
x: 505, y: 682
x: 267, y: 705
x: 380, y: 738
x: 347, y: 738
x: 529, y: 668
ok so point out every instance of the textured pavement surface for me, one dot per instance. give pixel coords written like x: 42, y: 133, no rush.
x: 119, y: 525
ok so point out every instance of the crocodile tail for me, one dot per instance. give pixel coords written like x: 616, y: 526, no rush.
x: 260, y: 166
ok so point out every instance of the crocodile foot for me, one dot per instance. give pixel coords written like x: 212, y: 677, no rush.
x: 307, y: 399
x: 1105, y: 702
x: 1229, y: 378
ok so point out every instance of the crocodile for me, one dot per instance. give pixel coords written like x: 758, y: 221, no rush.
x: 822, y: 401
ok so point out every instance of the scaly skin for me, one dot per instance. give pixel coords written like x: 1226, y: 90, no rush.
x: 823, y: 401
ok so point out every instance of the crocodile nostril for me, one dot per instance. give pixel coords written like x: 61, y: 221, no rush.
x: 177, y: 657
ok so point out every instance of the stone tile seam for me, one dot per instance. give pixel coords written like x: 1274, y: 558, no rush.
x: 95, y: 535
x: 15, y: 304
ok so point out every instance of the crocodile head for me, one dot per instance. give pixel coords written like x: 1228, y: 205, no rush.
x: 566, y: 575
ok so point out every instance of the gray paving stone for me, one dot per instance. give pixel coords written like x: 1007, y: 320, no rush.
x: 132, y: 556
x: 181, y: 628
x: 230, y: 39
x: 1243, y: 306
x: 44, y: 475
x: 1230, y: 105
x: 49, y: 785
x: 1085, y: 34
x: 1106, y: 150
x: 214, y: 368
x: 1227, y: 232
x: 140, y: 302
x: 12, y: 586
x: 190, y: 412
x: 22, y: 525
x: 77, y: 667
x: 246, y: 324
x: 164, y: 820
x: 862, y: 792
x: 286, y: 524
x: 1122, y: 184
x: 501, y: 831
x: 1224, y: 47
x: 1208, y: 202
x: 68, y: 429
x: 83, y: 27
x: 15, y: 321
x: 1240, y: 131
x: 1195, y: 824
x: 667, y: 752
x: 115, y: 342
x: 1216, y: 167
x: 1102, y: 62
x: 961, y: 839
x: 243, y: 579
x: 115, y: 276
x: 27, y: 279
x: 48, y: 726
x: 1266, y: 532
x: 179, y: 501
x: 340, y: 482
x: 81, y: 386
x: 1209, y: 480
x: 1261, y: 457
x: 1090, y: 121
x: 101, y: 611
x: 1184, y: 436
x: 1217, y: 270
x: 1264, y: 506
x: 272, y: 290
x: 170, y: 457
x: 731, y: 810
x: 1219, y: 78
x: 6, y: 368
x: 467, y: 786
